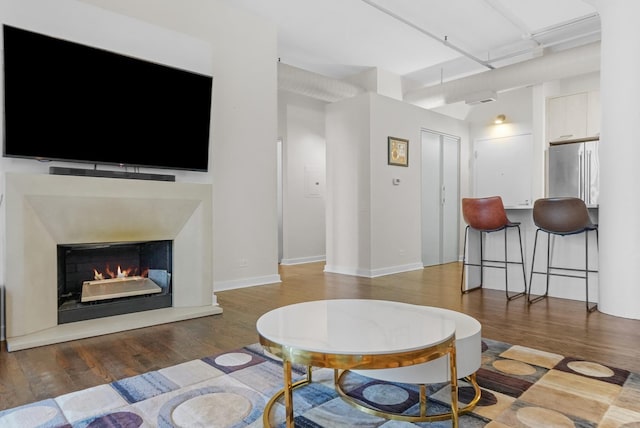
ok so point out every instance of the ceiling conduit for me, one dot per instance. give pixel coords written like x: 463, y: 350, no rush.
x: 558, y: 65
x: 314, y: 85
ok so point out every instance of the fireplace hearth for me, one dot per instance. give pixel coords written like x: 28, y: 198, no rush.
x: 106, y: 279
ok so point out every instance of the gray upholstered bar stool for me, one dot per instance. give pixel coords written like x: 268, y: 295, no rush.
x: 487, y: 215
x: 562, y: 217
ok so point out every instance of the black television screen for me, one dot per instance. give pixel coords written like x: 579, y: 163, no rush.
x: 71, y: 102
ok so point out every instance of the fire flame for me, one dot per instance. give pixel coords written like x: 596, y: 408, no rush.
x: 119, y: 273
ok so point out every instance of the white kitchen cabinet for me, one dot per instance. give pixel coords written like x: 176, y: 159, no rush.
x: 593, y: 114
x: 573, y: 116
x: 567, y: 117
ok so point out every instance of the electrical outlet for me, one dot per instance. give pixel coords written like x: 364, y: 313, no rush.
x: 243, y: 262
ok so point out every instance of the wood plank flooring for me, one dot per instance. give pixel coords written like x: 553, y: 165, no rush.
x: 554, y: 325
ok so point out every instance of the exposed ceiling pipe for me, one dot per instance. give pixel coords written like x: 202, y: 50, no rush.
x: 564, y: 25
x: 553, y: 66
x: 314, y: 85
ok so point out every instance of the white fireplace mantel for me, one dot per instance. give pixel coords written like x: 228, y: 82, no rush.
x: 43, y: 211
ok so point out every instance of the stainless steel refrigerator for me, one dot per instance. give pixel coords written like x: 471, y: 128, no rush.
x: 574, y: 170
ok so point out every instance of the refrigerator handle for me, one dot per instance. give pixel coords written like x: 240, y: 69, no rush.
x: 580, y: 176
x: 587, y: 187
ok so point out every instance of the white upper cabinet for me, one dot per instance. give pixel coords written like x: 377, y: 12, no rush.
x: 567, y: 117
x: 573, y: 116
x: 593, y: 114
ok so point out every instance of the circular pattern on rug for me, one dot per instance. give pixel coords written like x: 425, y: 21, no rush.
x: 531, y: 417
x: 118, y: 419
x: 212, y: 406
x: 590, y: 369
x: 233, y: 359
x: 36, y: 415
x: 221, y: 409
x: 514, y: 367
x: 387, y: 395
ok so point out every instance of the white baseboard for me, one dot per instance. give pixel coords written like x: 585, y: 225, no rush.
x: 396, y: 269
x: 343, y: 270
x: 245, y: 282
x: 373, y: 273
x: 302, y: 260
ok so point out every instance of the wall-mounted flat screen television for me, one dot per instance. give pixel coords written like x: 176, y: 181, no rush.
x: 71, y: 102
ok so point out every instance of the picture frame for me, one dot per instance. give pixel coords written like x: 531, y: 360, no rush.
x: 397, y: 151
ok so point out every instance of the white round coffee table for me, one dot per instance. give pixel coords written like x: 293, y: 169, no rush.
x: 359, y: 334
x: 468, y: 360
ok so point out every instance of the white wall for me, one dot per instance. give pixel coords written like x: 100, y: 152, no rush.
x: 374, y: 227
x: 582, y: 83
x: 241, y: 53
x: 524, y: 111
x: 302, y: 129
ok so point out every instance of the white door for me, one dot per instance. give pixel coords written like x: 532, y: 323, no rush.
x: 440, y: 198
x: 450, y: 173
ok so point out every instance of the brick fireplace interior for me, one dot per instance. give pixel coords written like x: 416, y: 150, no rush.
x: 112, y: 278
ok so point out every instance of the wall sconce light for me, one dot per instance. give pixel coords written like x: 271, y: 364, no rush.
x: 500, y: 119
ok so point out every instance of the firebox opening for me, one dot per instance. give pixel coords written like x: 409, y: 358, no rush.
x: 105, y: 279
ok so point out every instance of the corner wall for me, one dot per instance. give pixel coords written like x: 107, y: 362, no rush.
x: 373, y: 226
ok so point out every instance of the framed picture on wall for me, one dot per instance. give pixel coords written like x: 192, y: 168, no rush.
x: 398, y: 151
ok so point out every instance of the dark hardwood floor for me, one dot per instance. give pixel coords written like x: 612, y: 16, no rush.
x: 554, y: 325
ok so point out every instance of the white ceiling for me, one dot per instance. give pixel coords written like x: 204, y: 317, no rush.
x: 427, y: 42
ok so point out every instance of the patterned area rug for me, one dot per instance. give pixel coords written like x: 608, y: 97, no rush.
x: 521, y: 387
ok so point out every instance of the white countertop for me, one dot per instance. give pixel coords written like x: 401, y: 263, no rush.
x: 530, y: 207
x: 518, y: 207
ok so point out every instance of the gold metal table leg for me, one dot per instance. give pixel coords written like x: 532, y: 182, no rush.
x: 423, y: 400
x: 454, y: 387
x: 266, y: 416
x: 288, y: 393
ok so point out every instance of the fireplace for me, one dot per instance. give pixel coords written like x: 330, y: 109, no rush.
x: 46, y: 213
x: 106, y: 279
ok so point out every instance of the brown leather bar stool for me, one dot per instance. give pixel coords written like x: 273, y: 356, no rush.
x: 487, y: 215
x: 562, y: 217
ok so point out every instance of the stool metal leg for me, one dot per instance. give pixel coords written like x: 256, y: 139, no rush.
x: 546, y: 293
x: 501, y: 264
x: 586, y: 271
x: 533, y: 266
x: 548, y: 272
x: 464, y: 263
x: 464, y: 259
x: 506, y: 263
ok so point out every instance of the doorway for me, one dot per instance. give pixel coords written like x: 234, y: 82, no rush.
x: 279, y: 181
x: 440, y: 197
